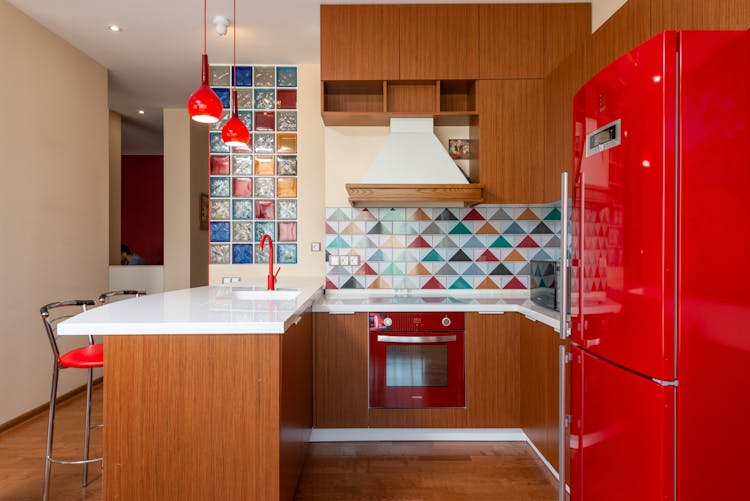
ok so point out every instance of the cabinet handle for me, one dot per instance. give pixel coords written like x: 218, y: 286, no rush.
x: 529, y: 318
x: 491, y: 312
x: 298, y: 320
x: 341, y: 313
x: 416, y: 339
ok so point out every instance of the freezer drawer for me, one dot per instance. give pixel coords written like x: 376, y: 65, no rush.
x: 622, y: 433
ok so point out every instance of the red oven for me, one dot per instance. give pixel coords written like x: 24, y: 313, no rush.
x: 417, y: 360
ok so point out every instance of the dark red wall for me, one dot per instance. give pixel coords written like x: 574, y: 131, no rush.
x: 142, y: 213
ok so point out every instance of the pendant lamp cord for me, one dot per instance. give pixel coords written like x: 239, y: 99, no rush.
x: 204, y: 26
x: 234, y: 57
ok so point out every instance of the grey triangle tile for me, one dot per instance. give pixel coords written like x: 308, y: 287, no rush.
x: 500, y: 215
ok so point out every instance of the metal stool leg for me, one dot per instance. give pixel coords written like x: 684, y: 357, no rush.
x: 50, y: 430
x: 87, y: 431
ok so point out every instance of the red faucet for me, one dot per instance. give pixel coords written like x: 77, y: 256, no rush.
x: 271, y: 275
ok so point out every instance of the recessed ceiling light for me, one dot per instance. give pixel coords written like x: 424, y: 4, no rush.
x: 114, y: 27
x: 141, y: 112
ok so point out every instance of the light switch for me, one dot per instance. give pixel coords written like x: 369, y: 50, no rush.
x: 333, y: 260
x: 315, y: 247
x: 354, y: 260
x: 344, y: 260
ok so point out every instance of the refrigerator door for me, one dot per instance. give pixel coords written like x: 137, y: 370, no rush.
x: 622, y: 434
x: 623, y: 218
x: 714, y: 308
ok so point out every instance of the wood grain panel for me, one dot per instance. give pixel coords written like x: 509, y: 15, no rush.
x: 341, y: 378
x: 511, y: 148
x: 296, y: 403
x: 386, y: 195
x: 178, y: 405
x: 699, y: 15
x: 419, y: 418
x: 510, y: 41
x: 493, y: 383
x: 412, y: 97
x: 359, y: 42
x: 566, y: 26
x: 535, y: 382
x: 458, y: 95
x: 438, y: 42
x: 353, y: 96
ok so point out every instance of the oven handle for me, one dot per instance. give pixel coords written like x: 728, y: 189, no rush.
x: 416, y: 339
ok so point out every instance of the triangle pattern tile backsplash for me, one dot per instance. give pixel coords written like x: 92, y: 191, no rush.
x: 484, y: 247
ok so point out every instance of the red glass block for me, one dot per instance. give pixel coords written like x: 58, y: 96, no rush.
x: 265, y: 120
x: 287, y: 232
x: 244, y: 148
x: 242, y: 187
x: 219, y: 165
x: 264, y: 209
x: 286, y: 99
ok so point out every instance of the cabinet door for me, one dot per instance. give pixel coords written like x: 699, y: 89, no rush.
x: 510, y: 149
x: 438, y: 42
x: 565, y: 27
x: 492, y: 370
x: 341, y: 371
x: 358, y: 42
x: 535, y: 385
x: 510, y: 41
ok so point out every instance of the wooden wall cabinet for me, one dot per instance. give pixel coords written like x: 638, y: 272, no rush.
x: 359, y: 42
x: 510, y: 41
x: 438, y: 42
x: 340, y: 372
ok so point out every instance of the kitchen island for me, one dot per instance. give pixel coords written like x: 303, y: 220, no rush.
x: 207, y: 392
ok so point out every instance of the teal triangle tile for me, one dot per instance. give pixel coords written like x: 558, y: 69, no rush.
x: 554, y: 242
x: 352, y: 283
x: 460, y: 229
x: 393, y: 214
x: 338, y: 242
x: 553, y: 215
x: 514, y: 229
x: 376, y: 256
x: 525, y: 270
x: 365, y: 243
x: 460, y: 283
x: 446, y: 215
x: 460, y: 256
x: 392, y: 269
x: 542, y: 255
x: 473, y: 243
x: 474, y: 270
x: 501, y: 269
x: 447, y: 243
x: 432, y: 229
x: 541, y: 229
x: 379, y: 229
x: 433, y: 255
x: 500, y: 215
x: 446, y: 270
x: 501, y: 242
x: 339, y: 215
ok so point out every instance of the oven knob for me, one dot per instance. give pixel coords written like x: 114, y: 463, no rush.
x: 387, y: 321
x: 446, y: 322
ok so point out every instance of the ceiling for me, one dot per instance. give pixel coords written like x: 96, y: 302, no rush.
x: 154, y: 62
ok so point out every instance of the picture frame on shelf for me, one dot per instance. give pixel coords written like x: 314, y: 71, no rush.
x: 459, y: 149
x: 203, y: 212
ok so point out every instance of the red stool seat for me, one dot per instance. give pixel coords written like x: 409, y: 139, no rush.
x: 86, y: 357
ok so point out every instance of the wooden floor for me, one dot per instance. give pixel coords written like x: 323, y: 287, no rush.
x: 363, y: 471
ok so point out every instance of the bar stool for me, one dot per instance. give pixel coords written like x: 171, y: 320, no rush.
x: 87, y: 357
x: 107, y: 297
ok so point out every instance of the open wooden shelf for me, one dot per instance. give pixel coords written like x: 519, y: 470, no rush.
x: 415, y: 195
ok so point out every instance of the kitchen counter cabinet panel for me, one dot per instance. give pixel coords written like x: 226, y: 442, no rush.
x: 438, y: 42
x: 492, y: 370
x: 359, y: 42
x: 510, y: 140
x: 341, y: 377
x: 510, y: 41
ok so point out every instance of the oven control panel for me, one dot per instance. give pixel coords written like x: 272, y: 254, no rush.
x: 417, y: 321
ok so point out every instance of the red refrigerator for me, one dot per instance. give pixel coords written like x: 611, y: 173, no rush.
x: 660, y: 312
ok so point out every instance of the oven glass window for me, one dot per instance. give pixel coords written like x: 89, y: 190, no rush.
x: 416, y: 365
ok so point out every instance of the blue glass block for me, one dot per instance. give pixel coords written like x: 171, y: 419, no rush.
x: 242, y: 253
x: 224, y: 95
x: 217, y: 143
x: 243, y: 76
x: 242, y: 209
x: 220, y: 232
x: 265, y: 227
x: 286, y: 253
x: 265, y: 99
x: 220, y: 187
x: 247, y: 118
x: 286, y: 76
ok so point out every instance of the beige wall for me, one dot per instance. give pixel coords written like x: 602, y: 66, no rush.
x: 54, y: 144
x: 115, y: 187
x: 198, y: 185
x: 601, y: 10
x: 311, y: 182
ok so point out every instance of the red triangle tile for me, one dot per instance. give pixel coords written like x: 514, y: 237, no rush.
x: 487, y: 256
x: 473, y: 215
x: 365, y: 269
x: 330, y: 285
x: 433, y: 283
x: 419, y: 242
x: 329, y: 230
x: 514, y: 284
x: 528, y: 242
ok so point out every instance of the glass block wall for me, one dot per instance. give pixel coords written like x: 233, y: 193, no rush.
x: 253, y: 190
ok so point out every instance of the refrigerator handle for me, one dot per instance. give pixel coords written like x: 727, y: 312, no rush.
x: 562, y: 427
x: 564, y: 261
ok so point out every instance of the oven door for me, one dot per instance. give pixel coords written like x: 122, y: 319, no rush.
x: 416, y: 369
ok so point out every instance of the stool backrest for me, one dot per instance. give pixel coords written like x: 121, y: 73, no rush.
x: 51, y: 317
x: 106, y: 297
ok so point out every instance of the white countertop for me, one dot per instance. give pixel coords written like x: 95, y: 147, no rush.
x: 215, y: 309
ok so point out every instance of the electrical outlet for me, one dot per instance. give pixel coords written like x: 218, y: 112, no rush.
x: 315, y: 247
x: 354, y: 260
x: 230, y: 280
x: 333, y: 260
x: 344, y: 260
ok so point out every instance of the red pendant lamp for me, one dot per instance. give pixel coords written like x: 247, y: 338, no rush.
x: 235, y: 132
x: 204, y: 105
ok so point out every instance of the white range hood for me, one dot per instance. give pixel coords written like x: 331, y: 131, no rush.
x: 412, y: 169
